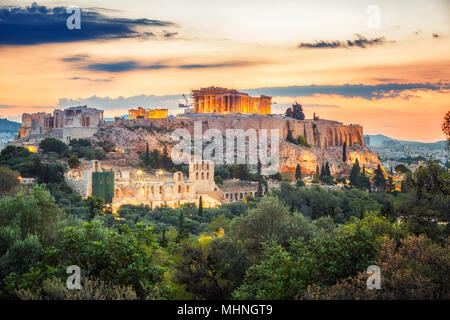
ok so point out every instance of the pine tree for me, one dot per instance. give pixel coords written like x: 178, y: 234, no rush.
x: 298, y: 172
x: 182, y: 234
x: 364, y: 170
x: 354, y: 174
x: 390, y: 185
x: 259, y: 193
x: 317, y: 176
x: 147, y: 157
x: 344, y: 152
x: 164, y: 240
x: 327, y: 169
x: 322, y: 171
x: 379, y: 180
x: 200, y: 206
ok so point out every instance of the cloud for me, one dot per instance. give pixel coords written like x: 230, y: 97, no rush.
x: 4, y: 106
x: 90, y: 79
x: 360, y: 42
x: 350, y: 91
x: 169, y: 35
x: 370, y: 92
x: 124, y: 66
x: 40, y: 24
x: 77, y: 57
x: 122, y: 103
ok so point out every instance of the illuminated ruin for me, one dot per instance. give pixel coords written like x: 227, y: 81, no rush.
x: 228, y: 101
x: 147, y: 113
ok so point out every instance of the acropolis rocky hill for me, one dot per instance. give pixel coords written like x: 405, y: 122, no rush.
x: 326, y: 138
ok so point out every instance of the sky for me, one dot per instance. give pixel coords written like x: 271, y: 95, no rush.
x: 382, y: 64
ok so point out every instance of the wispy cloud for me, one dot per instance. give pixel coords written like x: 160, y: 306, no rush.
x: 124, y: 66
x: 370, y: 92
x: 359, y: 42
x: 75, y: 58
x: 90, y: 79
x: 40, y: 24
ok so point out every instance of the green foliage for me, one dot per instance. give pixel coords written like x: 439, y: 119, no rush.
x: 428, y: 200
x: 200, y: 206
x: 322, y: 260
x: 96, y: 206
x: 344, y: 152
x: 298, y: 172
x: 73, y: 162
x: 379, y: 180
x: 52, y: 145
x: 9, y: 181
x: 212, y: 270
x: 401, y: 168
x: 29, y: 221
x: 295, y: 112
x: 270, y: 221
x: 126, y: 258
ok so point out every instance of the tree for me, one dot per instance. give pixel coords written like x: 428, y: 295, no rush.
x: 129, y: 257
x: 317, y: 174
x: 295, y: 112
x: 200, y: 206
x: 147, y: 158
x: 9, y: 181
x: 182, y: 233
x: 270, y: 221
x: 379, y: 180
x: 298, y: 172
x: 327, y: 169
x: 446, y: 128
x: 354, y: 174
x: 286, y: 274
x: 73, y: 162
x: 344, y: 152
x: 390, y: 185
x: 401, y: 168
x: 259, y: 192
x: 96, y: 206
x: 428, y: 199
x: 415, y: 268
x: 212, y: 270
x: 29, y: 222
x: 322, y: 171
x: 53, y: 145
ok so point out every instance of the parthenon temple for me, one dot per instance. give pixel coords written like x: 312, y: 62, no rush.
x: 227, y: 101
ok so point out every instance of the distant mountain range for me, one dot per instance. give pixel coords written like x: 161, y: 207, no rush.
x: 9, y: 126
x: 377, y: 141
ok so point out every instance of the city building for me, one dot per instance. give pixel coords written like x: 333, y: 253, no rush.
x: 147, y: 113
x: 63, y: 124
x: 228, y: 101
x: 120, y: 185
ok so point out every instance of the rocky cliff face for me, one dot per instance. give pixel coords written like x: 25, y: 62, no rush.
x: 309, y: 158
x: 133, y: 136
